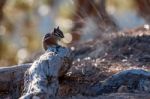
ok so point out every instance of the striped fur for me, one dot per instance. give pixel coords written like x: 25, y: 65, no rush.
x: 58, y: 33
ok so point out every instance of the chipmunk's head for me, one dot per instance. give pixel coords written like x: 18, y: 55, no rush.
x: 57, y: 33
x: 52, y: 38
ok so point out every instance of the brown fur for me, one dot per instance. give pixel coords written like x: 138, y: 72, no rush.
x: 50, y: 41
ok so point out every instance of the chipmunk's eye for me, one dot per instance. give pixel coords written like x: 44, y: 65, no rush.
x: 59, y: 33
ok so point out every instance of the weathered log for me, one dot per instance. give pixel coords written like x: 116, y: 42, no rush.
x: 137, y: 79
x: 11, y: 79
x: 11, y: 74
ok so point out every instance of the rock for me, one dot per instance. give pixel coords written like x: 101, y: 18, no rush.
x: 41, y: 79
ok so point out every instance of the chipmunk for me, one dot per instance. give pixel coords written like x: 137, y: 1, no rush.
x: 52, y: 38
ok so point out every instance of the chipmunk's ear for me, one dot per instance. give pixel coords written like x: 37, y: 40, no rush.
x: 58, y: 28
x: 55, y: 30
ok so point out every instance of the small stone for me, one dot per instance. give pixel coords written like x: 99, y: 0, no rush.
x: 35, y: 97
x: 122, y: 89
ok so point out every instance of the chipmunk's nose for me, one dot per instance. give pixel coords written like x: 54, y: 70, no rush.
x: 61, y: 35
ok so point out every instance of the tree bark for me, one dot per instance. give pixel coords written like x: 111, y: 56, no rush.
x: 2, y: 4
x: 91, y: 8
x: 144, y: 9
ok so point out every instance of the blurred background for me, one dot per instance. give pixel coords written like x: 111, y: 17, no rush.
x: 23, y: 23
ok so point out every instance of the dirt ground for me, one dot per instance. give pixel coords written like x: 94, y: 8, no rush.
x: 98, y: 59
